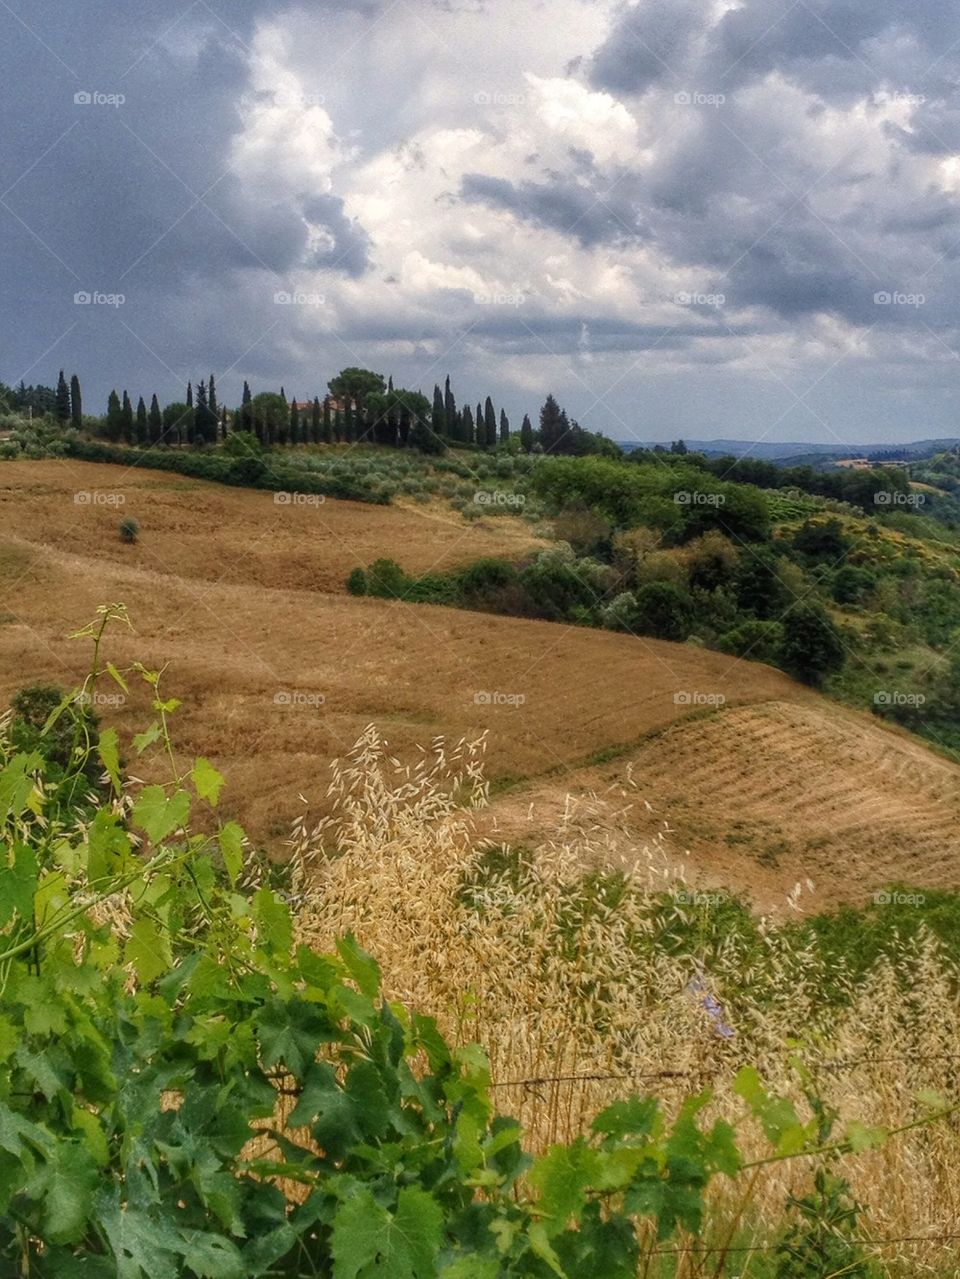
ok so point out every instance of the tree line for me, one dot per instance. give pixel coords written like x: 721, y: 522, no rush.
x: 360, y: 406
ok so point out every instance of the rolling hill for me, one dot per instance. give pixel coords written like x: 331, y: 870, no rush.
x: 279, y: 671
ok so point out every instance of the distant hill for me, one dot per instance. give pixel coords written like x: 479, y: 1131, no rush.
x: 798, y: 451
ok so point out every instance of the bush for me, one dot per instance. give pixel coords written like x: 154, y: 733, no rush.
x: 129, y: 530
x: 812, y: 647
x: 851, y: 583
x: 754, y: 639
x: 386, y: 579
x: 484, y: 575
x: 357, y: 582
x: 664, y: 611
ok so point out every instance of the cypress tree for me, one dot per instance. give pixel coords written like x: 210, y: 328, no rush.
x: 438, y: 418
x: 126, y: 419
x: 294, y: 423
x: 283, y: 395
x: 553, y: 425
x: 338, y: 425
x: 223, y: 421
x: 450, y: 411
x: 504, y: 428
x: 348, y: 420
x: 246, y: 413
x: 189, y: 395
x: 212, y: 398
x: 200, y: 415
x: 327, y: 421
x: 490, y: 423
x: 481, y: 430
x: 114, y: 417
x: 155, y: 421
x: 63, y: 399
x: 76, y: 406
x: 141, y: 421
x: 526, y: 434
x: 315, y: 420
x: 467, y: 425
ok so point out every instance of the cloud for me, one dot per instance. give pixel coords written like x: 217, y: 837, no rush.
x: 668, y: 211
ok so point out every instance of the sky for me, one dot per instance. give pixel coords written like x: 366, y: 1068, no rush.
x: 681, y: 218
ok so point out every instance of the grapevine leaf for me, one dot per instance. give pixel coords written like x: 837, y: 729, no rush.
x: 147, y: 737
x: 363, y: 968
x: 18, y: 884
x: 207, y: 781
x: 635, y: 1117
x: 231, y: 849
x: 273, y: 920
x: 65, y: 1182
x: 117, y: 677
x: 865, y: 1136
x: 16, y: 783
x: 562, y: 1176
x: 108, y: 846
x: 157, y: 814
x: 211, y: 1256
x: 540, y: 1247
x: 368, y: 1241
x: 419, y: 1223
x: 148, y: 949
x: 109, y: 752
x: 360, y: 1231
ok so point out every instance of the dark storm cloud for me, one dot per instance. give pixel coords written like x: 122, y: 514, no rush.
x: 138, y: 198
x: 834, y: 47
x: 580, y: 209
x: 649, y: 43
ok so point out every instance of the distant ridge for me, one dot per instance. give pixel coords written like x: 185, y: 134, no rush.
x: 799, y: 449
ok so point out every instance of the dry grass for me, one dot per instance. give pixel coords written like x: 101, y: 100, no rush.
x: 574, y: 1009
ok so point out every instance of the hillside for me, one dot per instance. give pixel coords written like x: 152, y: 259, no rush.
x: 279, y: 671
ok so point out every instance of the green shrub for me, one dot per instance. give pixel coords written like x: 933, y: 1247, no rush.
x: 387, y: 580
x: 357, y: 582
x: 812, y: 647
x: 759, y: 641
x: 664, y: 611
x: 129, y: 530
